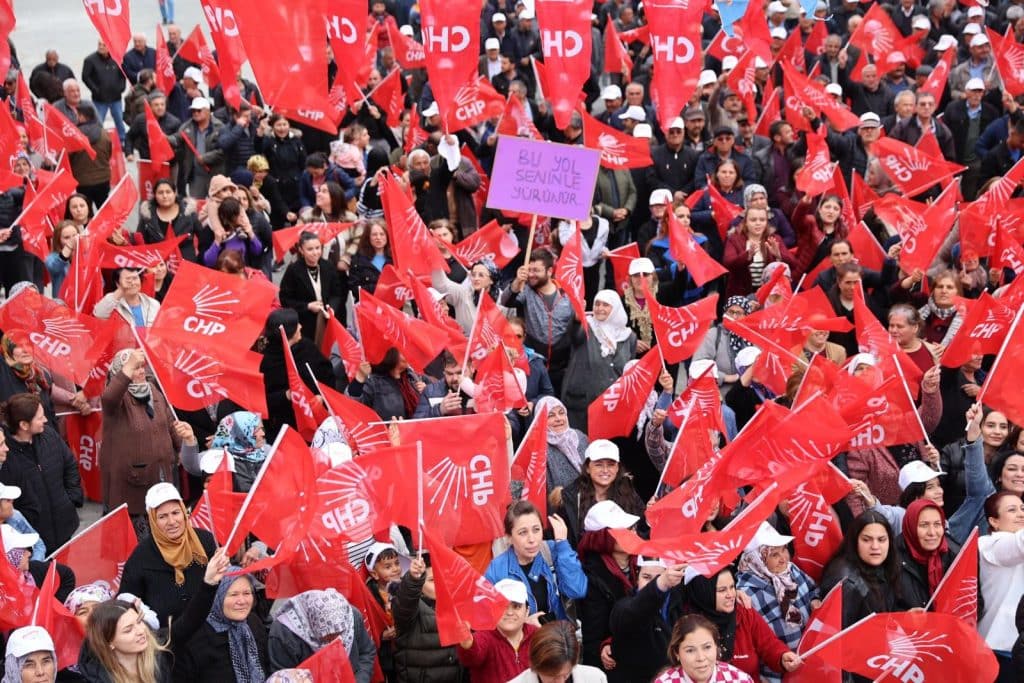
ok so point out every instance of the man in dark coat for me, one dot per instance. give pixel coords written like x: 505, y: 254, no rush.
x: 102, y: 75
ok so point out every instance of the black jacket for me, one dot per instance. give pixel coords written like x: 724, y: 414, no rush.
x: 207, y: 656
x: 297, y: 292
x: 137, y: 137
x: 285, y: 650
x: 861, y: 597
x: 640, y: 635
x: 382, y: 393
x: 135, y: 61
x: 362, y: 274
x: 672, y: 170
x: 186, y: 224
x: 914, y: 576
x: 147, y: 576
x: 419, y: 656
x: 957, y: 120
x: 275, y: 379
x: 287, y: 160
x: 238, y: 143
x: 103, y: 77
x: 997, y: 162
x: 595, y: 610
x: 47, y: 473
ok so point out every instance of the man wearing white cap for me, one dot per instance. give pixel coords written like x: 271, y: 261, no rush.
x: 497, y: 655
x: 979, y: 65
x: 896, y: 72
x: 911, y: 130
x: 489, y: 64
x: 967, y: 119
x: 611, y: 95
x: 203, y: 131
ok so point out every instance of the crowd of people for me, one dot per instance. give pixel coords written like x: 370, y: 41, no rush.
x: 724, y: 174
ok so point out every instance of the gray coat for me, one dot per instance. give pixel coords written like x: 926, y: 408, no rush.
x: 590, y: 373
x: 190, y: 173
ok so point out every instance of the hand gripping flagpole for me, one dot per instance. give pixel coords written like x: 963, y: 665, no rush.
x: 156, y: 377
x: 419, y: 495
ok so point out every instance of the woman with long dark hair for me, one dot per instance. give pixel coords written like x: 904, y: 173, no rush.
x: 312, y: 287
x: 868, y: 566
x: 391, y: 388
x: 372, y: 254
x: 817, y: 231
x: 331, y: 206
x: 602, y: 478
x: 166, y: 211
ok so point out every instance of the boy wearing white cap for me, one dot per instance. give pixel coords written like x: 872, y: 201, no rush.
x: 17, y: 521
x: 499, y: 655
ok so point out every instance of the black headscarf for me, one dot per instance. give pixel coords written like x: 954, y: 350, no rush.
x: 700, y: 594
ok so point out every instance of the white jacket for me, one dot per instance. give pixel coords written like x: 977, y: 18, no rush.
x: 1001, y: 555
x: 581, y: 673
x: 108, y: 304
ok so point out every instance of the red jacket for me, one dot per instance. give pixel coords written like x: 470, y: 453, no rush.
x: 756, y: 644
x: 491, y: 659
x: 737, y: 260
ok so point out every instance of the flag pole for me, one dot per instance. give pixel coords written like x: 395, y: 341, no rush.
x: 255, y: 485
x: 319, y: 393
x: 675, y: 443
x: 999, y: 356
x: 87, y: 529
x: 804, y: 655
x: 476, y: 319
x: 355, y: 321
x: 156, y: 376
x: 906, y: 389
x: 529, y: 240
x: 419, y: 494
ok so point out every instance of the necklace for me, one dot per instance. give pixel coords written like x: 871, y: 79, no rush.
x: 314, y: 272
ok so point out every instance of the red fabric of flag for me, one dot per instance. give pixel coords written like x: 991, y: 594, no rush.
x: 100, y: 552
x: 309, y: 412
x: 620, y: 259
x: 957, y: 593
x: 616, y: 58
x: 531, y: 464
x: 681, y: 330
x: 348, y: 348
x: 910, y: 169
x: 122, y: 201
x: 817, y: 534
x: 569, y: 274
x: 381, y: 327
x: 675, y: 45
x: 497, y: 389
x: 475, y: 101
x: 619, y: 151
x: 1001, y: 389
x: 491, y: 328
x: 815, y: 176
x: 981, y: 333
x: 113, y: 22
x: 565, y: 38
x: 165, y: 77
x: 825, y: 622
x: 52, y: 615
x: 85, y: 434
x: 412, y: 246
x: 451, y: 43
x: 491, y: 242
x: 330, y: 663
x: 359, y: 423
x: 615, y: 411
x: 159, y: 148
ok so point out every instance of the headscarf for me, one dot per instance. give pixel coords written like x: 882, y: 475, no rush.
x: 614, y: 329
x: 568, y: 442
x: 237, y: 433
x: 290, y: 676
x: 140, y: 390
x: 492, y: 270
x: 701, y: 592
x: 750, y: 190
x: 753, y: 562
x: 97, y: 591
x: 245, y: 657
x: 648, y: 410
x: 12, y: 665
x: 181, y: 553
x: 316, y: 614
x: 15, y: 556
x: 736, y: 342
x: 930, y: 559
x: 29, y: 373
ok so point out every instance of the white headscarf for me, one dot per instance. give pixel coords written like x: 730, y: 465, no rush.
x: 615, y: 328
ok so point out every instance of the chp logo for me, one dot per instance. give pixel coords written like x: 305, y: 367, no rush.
x: 908, y: 225
x: 57, y: 336
x: 629, y: 384
x: 468, y: 104
x: 909, y: 652
x: 345, y: 502
x: 905, y: 164
x: 680, y: 327
x: 212, y: 306
x: 809, y: 511
x: 881, y: 39
x: 451, y: 483
x: 202, y: 371
x: 613, y: 151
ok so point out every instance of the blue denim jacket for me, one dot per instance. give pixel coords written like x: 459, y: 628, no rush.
x: 21, y: 525
x: 571, y: 582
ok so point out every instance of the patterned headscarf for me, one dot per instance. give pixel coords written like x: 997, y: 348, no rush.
x: 753, y: 561
x: 140, y: 390
x: 317, y: 614
x: 29, y: 373
x: 245, y: 657
x: 736, y: 342
x: 237, y: 433
x: 492, y: 270
x: 15, y: 556
x: 290, y: 676
x: 568, y: 442
x: 97, y: 591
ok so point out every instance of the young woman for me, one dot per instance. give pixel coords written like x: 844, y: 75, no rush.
x: 549, y: 569
x: 665, y: 266
x: 995, y: 431
x: 729, y: 183
x: 905, y: 324
x: 925, y: 553
x: 286, y: 156
x: 391, y: 388
x: 747, y: 641
x: 464, y: 297
x: 127, y: 300
x: 119, y: 646
x: 749, y: 250
x: 818, y: 231
x: 566, y: 446
x: 58, y: 261
x: 868, y: 566
x: 331, y: 206
x: 162, y: 279
x: 496, y: 656
x: 598, y: 357
x: 940, y: 317
x: 313, y: 288
x: 78, y: 210
x: 602, y: 478
x: 372, y: 254
x: 167, y: 211
x: 1001, y: 572
x: 555, y: 656
x: 693, y: 652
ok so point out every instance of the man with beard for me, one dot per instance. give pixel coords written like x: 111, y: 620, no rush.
x: 444, y: 397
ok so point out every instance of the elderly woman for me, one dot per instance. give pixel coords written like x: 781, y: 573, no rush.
x: 127, y: 300
x: 311, y: 620
x: 778, y: 589
x: 939, y: 314
x: 905, y: 326
x: 566, y: 446
x: 141, y: 438
x: 464, y: 296
x: 21, y: 374
x: 231, y: 645
x: 748, y: 250
x: 598, y: 357
x: 30, y: 657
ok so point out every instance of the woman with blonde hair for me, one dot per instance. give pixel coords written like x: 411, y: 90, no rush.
x: 749, y: 250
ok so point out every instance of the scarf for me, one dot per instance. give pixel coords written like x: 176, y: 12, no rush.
x: 929, y: 309
x: 237, y: 434
x: 602, y: 544
x: 98, y: 591
x: 182, y: 553
x: 640, y: 314
x: 614, y: 329
x: 12, y: 668
x: 567, y: 442
x: 245, y: 657
x: 736, y: 342
x: 15, y: 556
x: 29, y: 373
x: 316, y: 614
x: 932, y: 560
x: 753, y: 562
x: 290, y: 676
x: 139, y: 390
x: 701, y: 592
x: 410, y: 397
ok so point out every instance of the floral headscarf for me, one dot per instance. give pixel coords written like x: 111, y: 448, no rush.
x: 291, y: 676
x: 15, y: 557
x: 29, y: 373
x: 736, y: 342
x: 140, y: 390
x: 97, y: 591
x: 753, y: 561
x: 316, y: 614
x: 237, y: 434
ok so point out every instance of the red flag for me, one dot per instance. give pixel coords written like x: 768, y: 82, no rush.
x: 497, y: 389
x: 741, y: 80
x: 99, y: 552
x: 723, y: 210
x: 412, y: 246
x: 680, y: 331
x: 1009, y: 56
x: 689, y: 454
x: 812, y: 94
x: 703, y: 391
x: 876, y: 35
x: 618, y: 150
x: 914, y: 646
x: 34, y: 219
x: 114, y: 213
x: 159, y: 148
x: 616, y: 58
x: 85, y: 434
x: 620, y: 259
x: 770, y: 113
x: 685, y: 250
x: 113, y: 22
x: 569, y: 273
x: 882, y: 415
x: 149, y: 173
x: 921, y: 232
x: 475, y: 101
x: 935, y: 84
x: 408, y: 53
x: 451, y: 40
x: 979, y: 219
x: 465, y: 477
x: 516, y: 122
x: 330, y: 663
x: 815, y: 176
x: 491, y: 242
x: 309, y: 413
x: 414, y: 133
x: 381, y: 327
x: 286, y: 238
x: 346, y: 21
x: 7, y: 22
x: 957, y: 593
x: 816, y: 40
x: 392, y: 287
x: 752, y: 27
x: 981, y: 333
x: 531, y: 463
x: 910, y: 169
x: 196, y: 50
x: 615, y: 411
x: 145, y: 256
x: 435, y: 312
x: 566, y: 44
x: 675, y: 43
x: 360, y: 424
x: 17, y: 597
x: 52, y: 615
x: 349, y: 349
x: 817, y: 534
x: 165, y: 78
x: 194, y: 379
x: 462, y: 594
x: 825, y: 622
x: 213, y: 310
x: 490, y: 329
x: 862, y: 195
x: 1007, y: 251
x: 388, y: 94
x: 723, y: 45
x: 1001, y: 389
x: 230, y: 53
x: 10, y: 144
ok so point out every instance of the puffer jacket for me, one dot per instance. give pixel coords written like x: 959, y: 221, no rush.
x: 914, y: 576
x: 419, y: 656
x: 287, y: 158
x: 185, y: 224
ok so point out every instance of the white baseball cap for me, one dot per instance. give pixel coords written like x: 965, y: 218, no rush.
x: 979, y: 40
x: 641, y: 266
x: 972, y: 29
x: 15, y: 539
x: 601, y: 449
x: 498, y: 16
x: 643, y: 130
x: 406, y: 30
x: 699, y: 367
x: 492, y: 44
x: 776, y: 7
x: 834, y: 89
x: 975, y: 12
x: 760, y: 63
x: 161, y: 493
x: 194, y: 73
x: 28, y: 639
x: 728, y: 63
x: 767, y: 535
x: 634, y: 112
x: 611, y: 92
x: 659, y: 197
x: 920, y: 22
x: 432, y: 110
x: 526, y: 14
x: 869, y: 119
x: 677, y: 122
x: 916, y: 472
x: 607, y: 514
x: 512, y: 590
x: 200, y: 103
x: 747, y: 356
x: 945, y: 42
x: 709, y: 77
x: 896, y: 57
x: 779, y: 32
x: 975, y: 84
x: 377, y: 548
x: 9, y: 492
